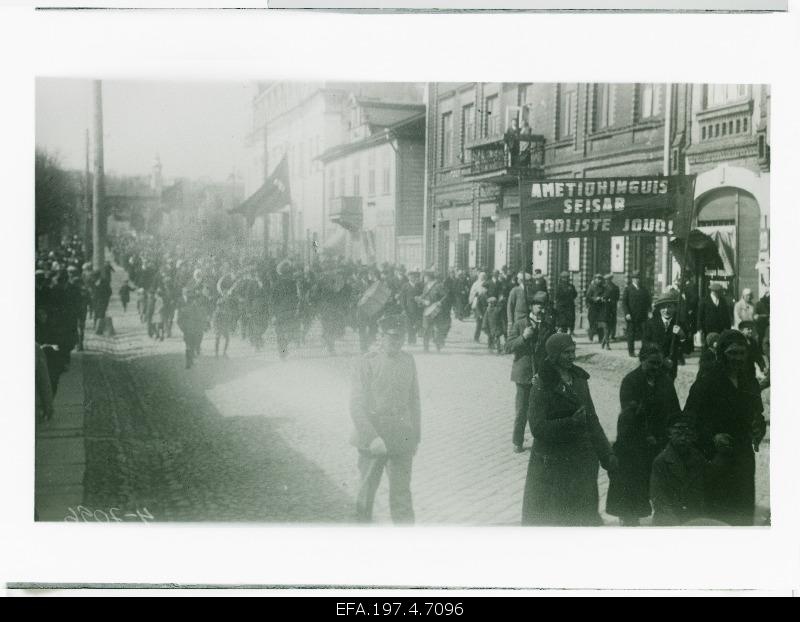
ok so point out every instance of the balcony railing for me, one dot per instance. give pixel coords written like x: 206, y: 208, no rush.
x: 504, y: 158
x: 347, y: 212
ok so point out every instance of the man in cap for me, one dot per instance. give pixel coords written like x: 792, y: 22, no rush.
x: 539, y: 284
x: 526, y: 341
x: 636, y: 301
x: 714, y: 313
x: 664, y: 331
x: 385, y: 409
x: 595, y: 294
x: 565, y: 304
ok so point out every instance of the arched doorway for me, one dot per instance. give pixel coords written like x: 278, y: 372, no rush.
x: 732, y: 217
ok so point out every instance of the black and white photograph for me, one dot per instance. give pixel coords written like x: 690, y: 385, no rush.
x: 430, y: 303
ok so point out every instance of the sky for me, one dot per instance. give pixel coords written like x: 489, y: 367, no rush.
x: 197, y: 129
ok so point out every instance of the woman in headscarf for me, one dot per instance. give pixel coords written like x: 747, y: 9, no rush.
x: 647, y: 400
x: 727, y: 408
x: 569, y: 443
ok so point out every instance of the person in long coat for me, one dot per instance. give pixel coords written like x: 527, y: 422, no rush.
x: 285, y: 303
x: 609, y: 314
x: 436, y: 314
x: 648, y: 401
x: 727, y: 408
x: 594, y: 301
x: 714, y: 313
x: 565, y: 304
x: 519, y: 299
x: 569, y: 443
x: 636, y: 301
x: 664, y: 330
x: 526, y: 341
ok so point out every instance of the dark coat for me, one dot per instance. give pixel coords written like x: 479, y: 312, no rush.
x: 677, y: 487
x: 636, y: 302
x: 494, y: 321
x: 528, y: 353
x: 672, y: 346
x: 408, y: 295
x: 561, y: 485
x: 594, y: 301
x: 565, y: 304
x: 720, y: 407
x: 713, y: 318
x: 641, y: 435
x: 610, y: 302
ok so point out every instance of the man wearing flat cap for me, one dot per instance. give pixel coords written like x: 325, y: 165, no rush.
x: 636, y: 301
x: 526, y: 341
x: 385, y: 409
x: 664, y: 331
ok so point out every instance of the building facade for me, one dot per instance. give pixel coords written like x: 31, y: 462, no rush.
x: 374, y: 184
x: 302, y: 120
x: 584, y: 131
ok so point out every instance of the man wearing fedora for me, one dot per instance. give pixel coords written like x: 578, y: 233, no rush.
x: 636, y: 301
x: 664, y: 331
x: 385, y: 409
x: 526, y: 341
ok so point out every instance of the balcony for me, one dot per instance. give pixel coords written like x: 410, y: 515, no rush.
x: 496, y: 160
x: 347, y: 212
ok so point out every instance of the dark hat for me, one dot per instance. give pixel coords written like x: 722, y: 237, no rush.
x: 715, y: 287
x: 747, y: 324
x: 539, y: 298
x: 598, y: 276
x: 681, y: 419
x: 635, y: 275
x: 392, y: 324
x: 670, y: 297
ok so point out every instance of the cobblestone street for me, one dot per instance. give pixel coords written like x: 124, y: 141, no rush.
x: 251, y: 438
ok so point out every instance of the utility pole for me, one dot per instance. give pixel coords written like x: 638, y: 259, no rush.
x: 87, y: 195
x: 98, y: 198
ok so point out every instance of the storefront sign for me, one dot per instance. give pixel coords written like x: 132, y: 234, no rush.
x: 615, y: 206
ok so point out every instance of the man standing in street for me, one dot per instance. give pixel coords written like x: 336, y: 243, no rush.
x: 636, y: 303
x: 526, y: 341
x: 519, y: 300
x: 385, y: 408
x: 744, y: 310
x: 436, y: 313
x: 714, y: 314
x: 408, y: 297
x: 664, y: 331
x: 565, y: 304
x: 611, y: 299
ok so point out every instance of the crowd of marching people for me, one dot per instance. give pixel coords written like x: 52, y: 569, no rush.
x: 678, y: 464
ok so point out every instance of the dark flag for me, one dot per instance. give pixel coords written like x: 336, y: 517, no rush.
x: 270, y: 197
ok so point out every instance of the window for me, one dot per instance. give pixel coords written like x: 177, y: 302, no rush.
x: 567, y: 108
x: 371, y: 173
x: 721, y: 94
x: 467, y: 129
x: 446, y: 150
x: 492, y: 117
x: 356, y: 178
x: 603, y: 106
x: 649, y: 101
x: 386, y: 174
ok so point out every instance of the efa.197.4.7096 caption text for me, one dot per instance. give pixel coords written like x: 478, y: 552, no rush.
x: 399, y: 608
x: 82, y: 514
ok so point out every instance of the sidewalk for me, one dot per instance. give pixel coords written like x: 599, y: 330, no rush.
x: 60, y: 451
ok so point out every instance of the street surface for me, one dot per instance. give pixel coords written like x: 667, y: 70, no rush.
x: 252, y: 438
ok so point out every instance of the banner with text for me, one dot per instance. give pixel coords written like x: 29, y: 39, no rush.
x: 615, y: 206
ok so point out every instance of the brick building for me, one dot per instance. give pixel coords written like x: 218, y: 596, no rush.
x: 585, y: 131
